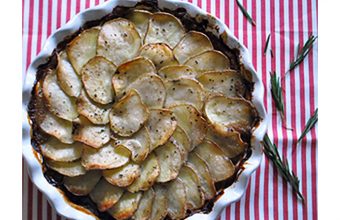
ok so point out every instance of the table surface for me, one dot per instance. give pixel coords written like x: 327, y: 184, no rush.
x: 290, y: 23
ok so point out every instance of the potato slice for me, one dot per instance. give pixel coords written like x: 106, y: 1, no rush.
x: 71, y: 169
x: 194, y: 195
x: 160, y: 204
x: 228, y: 83
x: 96, y: 76
x: 144, y: 209
x: 176, y: 72
x: 128, y: 115
x: 184, y: 91
x: 181, y: 139
x: 82, y: 48
x: 128, y: 72
x: 68, y: 79
x: 118, y: 41
x: 58, y: 102
x: 58, y: 151
x: 220, y: 167
x: 93, y: 135
x: 192, y: 44
x: 211, y: 60
x: 164, y: 28
x: 159, y: 53
x: 126, y: 206
x: 231, y: 144
x: 149, y: 173
x: 176, y: 199
x: 161, y: 125
x: 138, y: 144
x: 96, y: 113
x: 192, y: 123
x: 151, y: 89
x: 229, y: 114
x: 106, y: 157
x: 202, y: 171
x: 170, y: 160
x: 105, y: 195
x: 122, y: 176
x: 141, y: 19
x: 82, y: 185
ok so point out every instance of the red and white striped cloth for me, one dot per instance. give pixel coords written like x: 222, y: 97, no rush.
x: 289, y: 22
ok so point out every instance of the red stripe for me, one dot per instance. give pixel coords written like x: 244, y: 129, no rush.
x: 97, y: 2
x: 217, y: 8
x: 87, y: 4
x: 49, y: 211
x: 40, y: 22
x: 30, y: 200
x: 30, y: 32
x: 77, y: 6
x: 68, y: 11
x: 39, y: 206
x: 49, y: 18
x: 226, y: 12
x: 59, y: 13
x: 199, y: 3
x: 208, y: 6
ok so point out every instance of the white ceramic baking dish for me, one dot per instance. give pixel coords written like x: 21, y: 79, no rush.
x: 56, y: 199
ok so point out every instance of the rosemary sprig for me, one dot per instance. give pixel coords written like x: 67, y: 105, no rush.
x: 245, y: 13
x: 267, y: 42
x: 276, y: 91
x: 310, y: 124
x: 282, y: 166
x: 302, y: 52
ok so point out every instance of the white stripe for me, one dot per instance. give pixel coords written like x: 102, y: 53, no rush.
x: 213, y: 7
x: 231, y: 16
x: 222, y: 11
x: 73, y: 9
x: 204, y: 5
x: 232, y: 212
x: 54, y: 16
x: 44, y: 208
x: 63, y: 12
x: 54, y: 214
x: 223, y: 215
x: 82, y: 5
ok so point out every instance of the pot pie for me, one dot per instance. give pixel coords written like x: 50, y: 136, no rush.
x: 143, y: 114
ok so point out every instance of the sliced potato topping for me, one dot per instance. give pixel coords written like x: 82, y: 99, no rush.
x: 164, y: 28
x: 122, y: 176
x: 184, y: 91
x: 176, y: 72
x: 58, y: 151
x: 192, y: 44
x: 141, y: 19
x: 118, y: 41
x: 145, y: 206
x: 107, y: 157
x: 159, y: 53
x: 160, y: 204
x: 96, y: 76
x: 181, y: 139
x: 82, y: 48
x: 220, y: 167
x: 211, y: 60
x: 161, y: 125
x: 126, y: 206
x: 82, y: 185
x: 105, y: 195
x: 73, y: 168
x: 176, y: 199
x: 128, y: 115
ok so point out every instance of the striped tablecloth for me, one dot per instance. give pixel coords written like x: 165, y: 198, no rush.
x: 289, y: 22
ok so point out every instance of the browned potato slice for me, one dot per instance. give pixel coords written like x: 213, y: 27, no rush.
x: 151, y: 89
x: 229, y: 114
x: 105, y: 195
x: 144, y: 209
x: 160, y: 204
x: 138, y: 144
x: 176, y: 199
x: 118, y: 41
x: 181, y: 139
x: 159, y: 53
x: 184, y: 91
x: 161, y: 125
x: 176, y: 72
x: 164, y: 28
x: 106, y: 157
x: 170, y: 160
x: 83, y: 48
x: 192, y: 44
x: 72, y: 169
x: 122, y: 176
x: 231, y: 144
x: 128, y: 72
x: 90, y: 134
x: 126, y: 206
x: 229, y: 83
x: 202, y: 171
x: 96, y: 76
x: 220, y: 167
x: 149, y: 173
x: 96, y: 113
x: 58, y: 102
x: 141, y: 19
x: 58, y: 151
x: 82, y: 185
x: 68, y: 79
x: 194, y: 195
x: 192, y: 123
x: 211, y: 60
x: 128, y: 115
